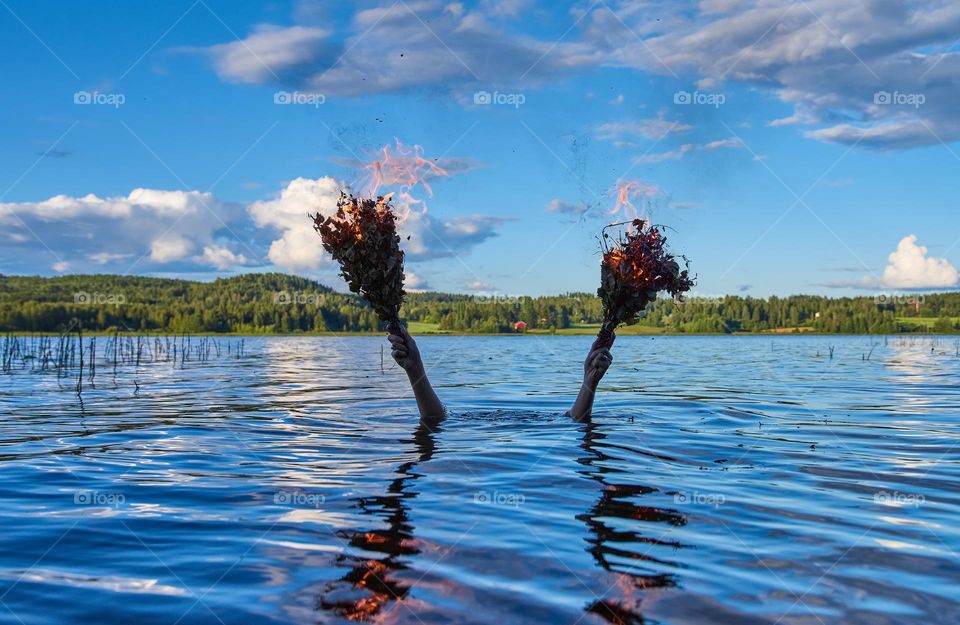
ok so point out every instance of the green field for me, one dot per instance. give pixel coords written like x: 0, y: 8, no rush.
x: 423, y: 327
x: 593, y: 328
x: 922, y: 323
x: 584, y: 329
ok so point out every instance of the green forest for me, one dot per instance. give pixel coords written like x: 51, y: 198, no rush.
x: 273, y: 303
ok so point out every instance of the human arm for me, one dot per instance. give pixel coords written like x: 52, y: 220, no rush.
x: 406, y: 353
x: 594, y: 368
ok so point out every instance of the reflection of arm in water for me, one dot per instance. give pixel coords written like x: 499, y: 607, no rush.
x: 405, y: 352
x: 596, y: 364
x: 372, y: 581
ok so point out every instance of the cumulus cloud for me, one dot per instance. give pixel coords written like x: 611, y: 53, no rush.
x: 423, y: 236
x: 415, y: 283
x: 298, y: 248
x: 222, y: 257
x: 169, y: 248
x: 150, y: 230
x: 481, y: 287
x: 909, y: 267
x: 151, y: 226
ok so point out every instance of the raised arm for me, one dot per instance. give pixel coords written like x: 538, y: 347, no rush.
x: 596, y: 364
x: 405, y: 352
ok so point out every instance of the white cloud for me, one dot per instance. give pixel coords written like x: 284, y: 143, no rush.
x: 650, y: 128
x: 299, y: 247
x: 828, y: 59
x: 557, y: 205
x: 61, y: 266
x: 157, y: 203
x: 269, y: 53
x: 825, y: 58
x: 415, y: 283
x: 222, y: 257
x: 669, y: 155
x: 151, y: 226
x: 480, y: 286
x: 910, y: 267
x: 424, y: 237
x: 102, y: 258
x: 190, y: 231
x: 683, y: 150
x: 396, y: 47
x: 169, y: 248
x: 510, y: 8
x: 733, y: 142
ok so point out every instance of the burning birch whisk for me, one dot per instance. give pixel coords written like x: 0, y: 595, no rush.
x: 636, y: 266
x: 362, y: 236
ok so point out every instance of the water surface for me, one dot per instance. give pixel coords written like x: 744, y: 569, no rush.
x: 722, y: 480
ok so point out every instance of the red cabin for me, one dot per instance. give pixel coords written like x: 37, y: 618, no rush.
x: 520, y: 326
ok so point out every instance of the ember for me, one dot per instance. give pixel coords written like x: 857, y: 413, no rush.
x: 362, y: 237
x: 635, y: 268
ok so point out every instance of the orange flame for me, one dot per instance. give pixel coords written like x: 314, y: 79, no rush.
x: 632, y: 189
x: 404, y: 167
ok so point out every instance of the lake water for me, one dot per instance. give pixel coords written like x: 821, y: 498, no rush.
x: 722, y: 480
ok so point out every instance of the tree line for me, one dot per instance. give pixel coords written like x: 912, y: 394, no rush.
x: 272, y: 303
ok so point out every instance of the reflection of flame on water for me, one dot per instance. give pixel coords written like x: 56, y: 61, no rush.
x: 404, y: 167
x: 638, y: 575
x: 371, y: 584
x: 629, y: 190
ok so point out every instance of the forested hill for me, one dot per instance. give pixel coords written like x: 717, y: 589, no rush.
x: 279, y: 303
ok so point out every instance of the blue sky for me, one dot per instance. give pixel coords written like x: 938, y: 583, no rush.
x: 806, y: 147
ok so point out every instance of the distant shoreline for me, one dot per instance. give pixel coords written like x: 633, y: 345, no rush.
x: 284, y: 305
x: 562, y: 334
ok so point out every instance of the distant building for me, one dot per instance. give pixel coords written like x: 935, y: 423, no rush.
x: 520, y: 326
